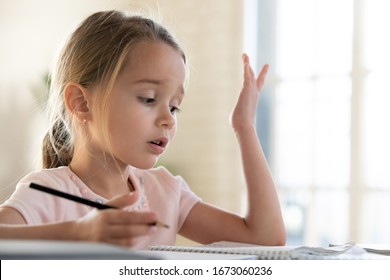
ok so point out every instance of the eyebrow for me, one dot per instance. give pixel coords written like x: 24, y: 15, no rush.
x: 149, y: 81
x: 155, y: 82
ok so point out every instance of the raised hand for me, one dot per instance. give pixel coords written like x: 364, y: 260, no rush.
x: 244, y: 112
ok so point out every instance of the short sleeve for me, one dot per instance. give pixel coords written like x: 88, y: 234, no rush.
x: 187, y: 200
x: 34, y: 206
x: 37, y: 207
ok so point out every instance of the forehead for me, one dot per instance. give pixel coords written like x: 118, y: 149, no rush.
x: 155, y: 60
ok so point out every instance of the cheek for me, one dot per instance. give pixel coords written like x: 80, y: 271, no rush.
x: 172, y: 132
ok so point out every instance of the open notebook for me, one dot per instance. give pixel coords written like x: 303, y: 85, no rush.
x: 230, y: 250
x: 347, y: 251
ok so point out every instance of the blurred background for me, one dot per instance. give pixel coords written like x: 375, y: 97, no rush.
x: 322, y: 119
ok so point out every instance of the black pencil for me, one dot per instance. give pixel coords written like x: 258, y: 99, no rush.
x: 70, y: 197
x: 81, y: 200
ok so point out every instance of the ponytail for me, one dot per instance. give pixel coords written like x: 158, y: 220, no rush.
x: 56, y: 146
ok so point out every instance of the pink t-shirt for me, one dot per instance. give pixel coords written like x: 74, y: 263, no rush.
x: 159, y: 191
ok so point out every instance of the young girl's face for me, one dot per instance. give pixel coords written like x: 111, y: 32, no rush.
x: 143, y: 104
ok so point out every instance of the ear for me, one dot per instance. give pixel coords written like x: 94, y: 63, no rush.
x: 75, y: 97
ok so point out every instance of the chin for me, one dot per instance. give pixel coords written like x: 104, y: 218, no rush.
x: 145, y: 164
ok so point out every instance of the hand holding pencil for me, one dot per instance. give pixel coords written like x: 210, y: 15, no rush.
x: 83, y: 200
x: 110, y: 225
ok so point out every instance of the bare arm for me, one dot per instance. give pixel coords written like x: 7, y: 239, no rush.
x: 263, y: 223
x: 111, y: 225
x: 13, y: 226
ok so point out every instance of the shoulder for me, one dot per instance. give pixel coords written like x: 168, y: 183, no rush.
x: 160, y: 177
x: 55, y: 177
x: 159, y: 182
x: 159, y: 172
x: 38, y: 207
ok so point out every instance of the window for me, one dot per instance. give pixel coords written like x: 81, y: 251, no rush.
x: 325, y: 118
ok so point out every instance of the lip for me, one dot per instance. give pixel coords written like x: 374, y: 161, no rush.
x: 158, y: 145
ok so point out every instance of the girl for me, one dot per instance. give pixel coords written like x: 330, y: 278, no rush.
x: 115, y: 91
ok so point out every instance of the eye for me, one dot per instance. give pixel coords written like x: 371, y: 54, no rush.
x: 147, y: 100
x: 174, y: 110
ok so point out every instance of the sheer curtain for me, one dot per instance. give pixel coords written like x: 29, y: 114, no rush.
x: 328, y: 99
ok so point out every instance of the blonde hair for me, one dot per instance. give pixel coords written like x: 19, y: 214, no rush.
x: 93, y: 56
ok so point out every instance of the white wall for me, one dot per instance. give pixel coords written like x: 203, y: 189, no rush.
x: 30, y: 32
x: 205, y: 150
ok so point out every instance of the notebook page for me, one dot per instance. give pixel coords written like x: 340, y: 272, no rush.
x: 233, y: 248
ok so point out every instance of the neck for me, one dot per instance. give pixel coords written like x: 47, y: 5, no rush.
x: 102, y: 174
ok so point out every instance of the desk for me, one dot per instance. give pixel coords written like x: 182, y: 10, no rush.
x: 66, y: 250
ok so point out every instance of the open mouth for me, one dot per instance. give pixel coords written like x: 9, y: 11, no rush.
x: 161, y: 143
x: 157, y: 142
x: 158, y: 145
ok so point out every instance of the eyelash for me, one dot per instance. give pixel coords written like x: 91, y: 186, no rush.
x: 150, y: 101
x: 175, y: 110
x: 147, y: 100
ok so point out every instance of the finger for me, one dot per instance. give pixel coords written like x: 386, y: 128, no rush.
x: 261, y: 77
x: 123, y: 201
x: 129, y: 218
x: 125, y: 231
x: 248, y: 71
x: 123, y: 227
x: 245, y: 58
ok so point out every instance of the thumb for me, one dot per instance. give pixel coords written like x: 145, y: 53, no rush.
x: 121, y: 201
x: 261, y: 77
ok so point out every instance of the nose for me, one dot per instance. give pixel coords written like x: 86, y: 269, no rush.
x: 166, y: 119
